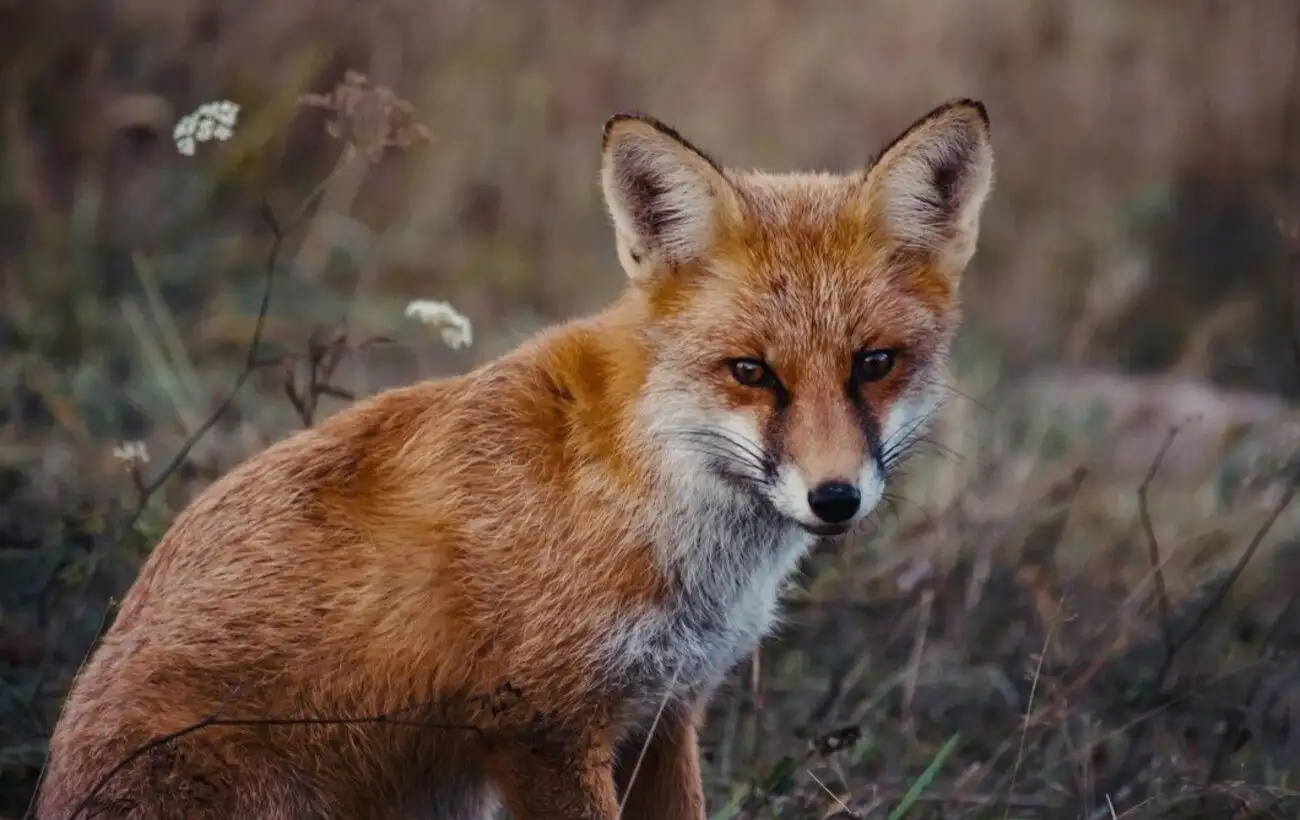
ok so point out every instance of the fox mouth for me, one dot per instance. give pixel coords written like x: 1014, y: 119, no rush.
x: 761, y: 492
x: 825, y: 530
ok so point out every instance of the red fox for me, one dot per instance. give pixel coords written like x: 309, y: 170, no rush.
x: 519, y: 587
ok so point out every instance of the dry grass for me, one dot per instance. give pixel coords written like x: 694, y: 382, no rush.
x: 1042, y: 624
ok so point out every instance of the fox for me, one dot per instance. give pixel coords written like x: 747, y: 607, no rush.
x: 516, y: 589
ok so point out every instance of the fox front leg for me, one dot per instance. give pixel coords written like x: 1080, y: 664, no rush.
x: 659, y: 777
x: 549, y: 783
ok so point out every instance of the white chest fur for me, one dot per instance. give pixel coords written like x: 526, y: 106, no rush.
x: 726, y: 564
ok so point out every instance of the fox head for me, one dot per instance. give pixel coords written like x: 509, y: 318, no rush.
x: 798, y: 324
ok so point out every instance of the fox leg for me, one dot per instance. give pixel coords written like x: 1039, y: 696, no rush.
x: 666, y: 785
x: 550, y: 782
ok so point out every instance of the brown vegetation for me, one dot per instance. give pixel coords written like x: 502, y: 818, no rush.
x: 1040, y: 626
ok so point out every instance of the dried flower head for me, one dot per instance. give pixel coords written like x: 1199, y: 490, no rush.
x: 369, y: 118
x: 211, y: 121
x: 454, y: 328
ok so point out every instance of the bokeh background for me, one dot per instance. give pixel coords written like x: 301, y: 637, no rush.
x: 1080, y: 603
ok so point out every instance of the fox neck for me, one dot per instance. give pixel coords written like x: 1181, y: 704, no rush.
x: 721, y: 554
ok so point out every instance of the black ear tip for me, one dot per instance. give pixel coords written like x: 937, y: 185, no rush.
x: 630, y: 116
x: 664, y: 130
x: 616, y: 120
x: 969, y: 103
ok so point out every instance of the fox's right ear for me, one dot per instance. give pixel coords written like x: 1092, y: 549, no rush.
x: 663, y: 194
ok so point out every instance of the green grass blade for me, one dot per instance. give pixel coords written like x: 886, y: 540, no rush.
x: 927, y: 777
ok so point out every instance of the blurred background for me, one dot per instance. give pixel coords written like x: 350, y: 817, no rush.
x: 1082, y: 603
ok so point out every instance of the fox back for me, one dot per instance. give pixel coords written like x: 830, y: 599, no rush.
x: 519, y: 587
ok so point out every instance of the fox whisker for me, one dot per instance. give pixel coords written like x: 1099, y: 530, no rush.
x: 900, y: 445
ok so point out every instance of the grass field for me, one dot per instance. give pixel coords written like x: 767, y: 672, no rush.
x: 1082, y: 602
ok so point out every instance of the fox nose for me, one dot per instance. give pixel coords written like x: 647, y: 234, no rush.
x: 834, y: 501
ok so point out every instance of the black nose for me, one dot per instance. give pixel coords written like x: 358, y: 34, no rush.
x: 834, y: 502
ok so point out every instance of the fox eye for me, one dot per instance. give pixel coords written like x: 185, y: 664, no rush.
x: 873, y: 365
x: 752, y: 373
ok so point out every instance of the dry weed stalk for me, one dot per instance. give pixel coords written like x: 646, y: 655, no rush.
x: 370, y: 121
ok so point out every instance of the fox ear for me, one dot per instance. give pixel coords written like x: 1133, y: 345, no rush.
x: 928, y: 187
x: 663, y: 194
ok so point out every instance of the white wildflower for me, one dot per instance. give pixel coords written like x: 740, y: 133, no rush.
x: 133, y: 453
x: 454, y: 328
x: 210, y: 121
x: 226, y: 113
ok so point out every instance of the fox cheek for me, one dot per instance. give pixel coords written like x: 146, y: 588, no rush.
x: 905, y: 423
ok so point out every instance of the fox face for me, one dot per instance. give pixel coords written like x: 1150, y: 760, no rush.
x: 799, y: 323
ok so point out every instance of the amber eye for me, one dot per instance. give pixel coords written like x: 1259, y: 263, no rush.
x: 752, y: 373
x: 873, y: 365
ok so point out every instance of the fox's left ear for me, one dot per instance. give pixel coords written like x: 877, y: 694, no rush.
x: 928, y: 187
x: 665, y: 195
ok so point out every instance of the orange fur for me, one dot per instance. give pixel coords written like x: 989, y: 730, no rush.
x: 485, y: 588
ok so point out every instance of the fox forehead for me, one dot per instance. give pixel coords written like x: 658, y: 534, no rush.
x: 802, y: 271
x: 796, y: 201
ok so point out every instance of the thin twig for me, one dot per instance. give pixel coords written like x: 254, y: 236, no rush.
x: 214, y: 719
x: 918, y: 652
x: 844, y: 807
x: 252, y: 363
x: 322, y: 360
x: 1153, y: 545
x: 1155, y: 692
x: 649, y: 737
x: 147, y: 491
x: 1029, y: 707
x: 1221, y: 593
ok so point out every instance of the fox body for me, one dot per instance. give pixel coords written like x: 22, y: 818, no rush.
x: 519, y: 587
